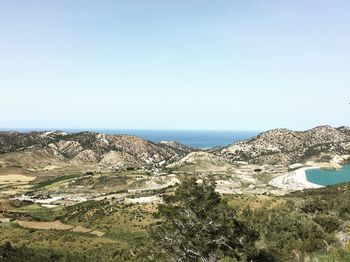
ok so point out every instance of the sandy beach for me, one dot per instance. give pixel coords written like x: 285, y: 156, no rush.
x: 294, y: 180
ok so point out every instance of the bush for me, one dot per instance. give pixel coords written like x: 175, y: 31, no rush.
x: 195, y: 224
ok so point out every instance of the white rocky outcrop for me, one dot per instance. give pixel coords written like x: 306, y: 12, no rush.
x: 294, y: 180
x: 194, y: 157
x: 114, y: 159
x: 86, y: 156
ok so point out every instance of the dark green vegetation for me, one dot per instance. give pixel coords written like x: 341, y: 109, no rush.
x: 197, y: 225
x: 35, y: 212
x: 55, y: 180
x: 193, y: 224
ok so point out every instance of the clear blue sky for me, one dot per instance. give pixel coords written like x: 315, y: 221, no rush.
x: 181, y: 64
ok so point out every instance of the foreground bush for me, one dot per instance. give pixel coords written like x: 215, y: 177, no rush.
x: 195, y: 224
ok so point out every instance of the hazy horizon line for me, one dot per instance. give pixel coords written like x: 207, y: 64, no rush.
x: 121, y: 129
x: 92, y: 129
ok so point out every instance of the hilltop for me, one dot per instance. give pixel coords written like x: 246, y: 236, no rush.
x: 115, y: 151
x: 283, y: 146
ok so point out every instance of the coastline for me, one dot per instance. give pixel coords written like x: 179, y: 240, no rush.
x: 294, y: 180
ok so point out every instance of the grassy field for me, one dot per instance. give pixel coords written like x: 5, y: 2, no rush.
x: 58, y: 242
x: 55, y: 181
x: 241, y: 202
x: 124, y: 227
x: 37, y: 212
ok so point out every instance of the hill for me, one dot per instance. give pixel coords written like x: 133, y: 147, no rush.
x: 115, y: 151
x: 283, y: 146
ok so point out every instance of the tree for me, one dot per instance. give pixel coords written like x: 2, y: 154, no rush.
x: 285, y: 232
x: 196, y: 224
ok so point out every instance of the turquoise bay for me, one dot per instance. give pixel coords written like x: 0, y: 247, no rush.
x: 327, y: 177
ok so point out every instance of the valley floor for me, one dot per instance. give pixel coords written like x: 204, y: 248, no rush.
x: 85, y: 209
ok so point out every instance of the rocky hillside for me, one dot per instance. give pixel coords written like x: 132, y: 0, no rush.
x: 278, y: 146
x: 92, y: 148
x: 283, y: 146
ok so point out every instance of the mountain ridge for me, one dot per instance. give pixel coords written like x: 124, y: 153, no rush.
x: 276, y: 146
x: 91, y: 147
x: 286, y: 147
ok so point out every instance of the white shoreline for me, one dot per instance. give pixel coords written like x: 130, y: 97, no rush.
x: 294, y: 180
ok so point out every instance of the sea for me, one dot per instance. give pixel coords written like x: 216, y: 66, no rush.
x: 325, y: 177
x: 201, y: 139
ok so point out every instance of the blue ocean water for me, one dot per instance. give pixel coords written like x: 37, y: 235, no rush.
x: 194, y: 138
x: 198, y: 139
x: 325, y: 177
